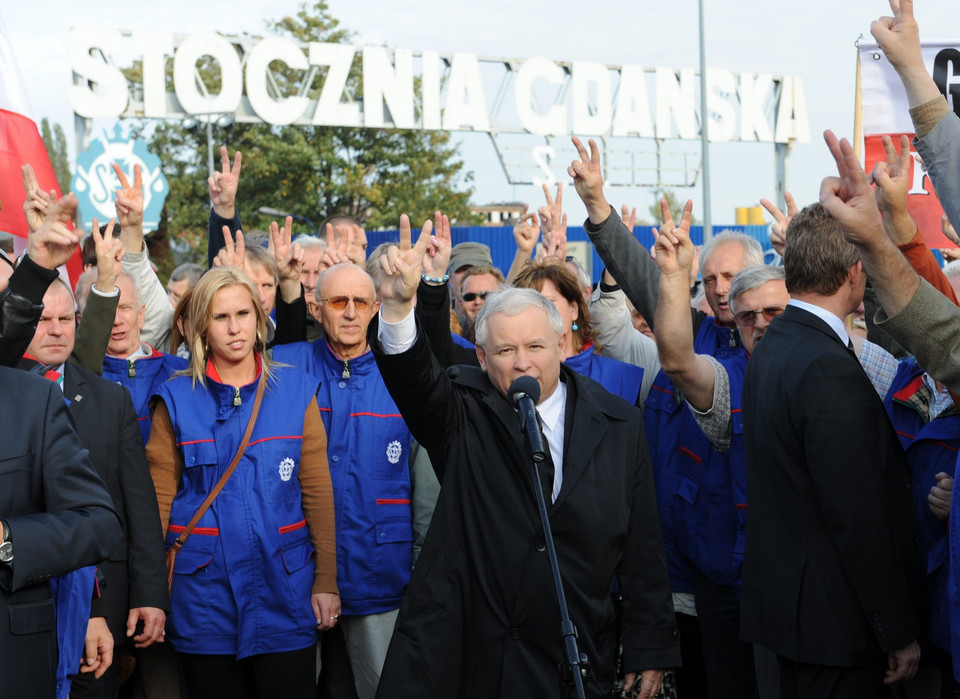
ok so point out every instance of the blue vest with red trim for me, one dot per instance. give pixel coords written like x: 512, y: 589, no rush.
x: 368, y: 448
x: 242, y: 581
x: 931, y: 448
x: 701, y: 493
x: 620, y: 378
x: 142, y: 377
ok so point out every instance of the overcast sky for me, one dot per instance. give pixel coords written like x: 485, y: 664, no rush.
x: 812, y: 39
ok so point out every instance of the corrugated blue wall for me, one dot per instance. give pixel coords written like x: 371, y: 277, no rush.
x: 502, y: 247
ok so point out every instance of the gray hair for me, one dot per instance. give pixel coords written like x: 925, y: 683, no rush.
x: 135, y: 283
x: 752, y: 278
x: 752, y: 250
x: 952, y: 270
x: 189, y: 271
x: 583, y: 279
x: 311, y: 241
x: 512, y: 302
x: 373, y: 262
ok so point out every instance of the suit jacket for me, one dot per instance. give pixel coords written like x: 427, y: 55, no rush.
x: 831, y: 570
x: 135, y: 571
x: 60, y: 517
x: 480, y: 617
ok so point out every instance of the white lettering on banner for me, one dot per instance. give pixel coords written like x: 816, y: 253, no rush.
x: 632, y: 116
x: 155, y: 47
x: 194, y: 48
x: 108, y: 95
x: 449, y: 91
x: 390, y: 85
x: 274, y: 111
x: 753, y: 95
x: 675, y: 97
x: 542, y: 155
x: 331, y: 110
x: 466, y: 106
x: 554, y: 121
x: 585, y: 75
x: 721, y: 84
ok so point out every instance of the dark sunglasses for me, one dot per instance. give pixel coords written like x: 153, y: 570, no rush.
x: 750, y: 317
x: 339, y: 303
x: 471, y: 296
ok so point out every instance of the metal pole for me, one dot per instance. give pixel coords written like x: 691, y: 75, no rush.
x: 704, y: 134
x: 210, y: 169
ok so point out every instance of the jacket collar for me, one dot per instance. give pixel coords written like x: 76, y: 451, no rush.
x: 588, y: 416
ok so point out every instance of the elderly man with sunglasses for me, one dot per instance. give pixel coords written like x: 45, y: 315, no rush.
x: 368, y: 451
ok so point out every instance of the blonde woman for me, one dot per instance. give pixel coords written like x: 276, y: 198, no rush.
x: 256, y: 578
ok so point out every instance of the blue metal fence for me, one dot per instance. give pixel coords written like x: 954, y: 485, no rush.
x: 502, y: 248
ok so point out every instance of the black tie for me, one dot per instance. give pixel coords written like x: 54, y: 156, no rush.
x: 546, y: 467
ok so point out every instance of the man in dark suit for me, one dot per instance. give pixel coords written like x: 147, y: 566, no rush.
x: 831, y: 567
x: 56, y: 517
x: 135, y: 594
x: 480, y: 617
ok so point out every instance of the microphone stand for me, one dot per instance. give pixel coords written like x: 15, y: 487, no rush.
x: 576, y: 665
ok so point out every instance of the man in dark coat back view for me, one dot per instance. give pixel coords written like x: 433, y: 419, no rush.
x: 831, y: 572
x: 481, y: 617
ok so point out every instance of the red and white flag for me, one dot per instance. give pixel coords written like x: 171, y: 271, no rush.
x: 20, y: 143
x: 885, y: 111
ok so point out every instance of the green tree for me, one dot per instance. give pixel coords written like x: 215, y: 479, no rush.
x: 56, y: 144
x: 312, y: 171
x: 676, y: 205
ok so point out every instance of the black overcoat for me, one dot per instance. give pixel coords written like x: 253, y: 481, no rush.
x: 480, y: 617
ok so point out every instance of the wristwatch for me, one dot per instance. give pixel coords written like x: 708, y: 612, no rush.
x: 6, y: 546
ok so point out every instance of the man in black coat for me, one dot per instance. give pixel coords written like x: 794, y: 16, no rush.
x: 135, y: 574
x: 56, y: 517
x: 481, y: 617
x: 831, y: 566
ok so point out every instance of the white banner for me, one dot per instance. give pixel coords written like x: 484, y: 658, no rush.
x: 885, y: 112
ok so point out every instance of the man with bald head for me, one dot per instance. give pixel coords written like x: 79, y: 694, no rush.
x: 368, y: 450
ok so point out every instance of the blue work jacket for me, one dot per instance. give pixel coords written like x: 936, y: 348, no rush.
x: 701, y: 493
x: 368, y: 448
x: 242, y: 581
x: 142, y: 377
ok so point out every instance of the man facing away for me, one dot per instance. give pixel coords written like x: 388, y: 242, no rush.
x: 831, y: 567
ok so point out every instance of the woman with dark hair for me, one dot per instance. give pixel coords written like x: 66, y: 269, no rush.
x: 555, y: 281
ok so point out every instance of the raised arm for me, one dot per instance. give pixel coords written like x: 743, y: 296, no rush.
x: 525, y: 234
x: 93, y: 333
x: 159, y: 314
x: 693, y: 374
x: 223, y: 196
x: 892, y: 178
x: 936, y: 126
x: 433, y: 299
x: 21, y: 303
x: 622, y: 254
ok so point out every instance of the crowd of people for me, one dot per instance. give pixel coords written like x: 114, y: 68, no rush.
x: 298, y: 471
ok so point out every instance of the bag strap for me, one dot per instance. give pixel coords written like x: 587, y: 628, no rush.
x: 182, y: 539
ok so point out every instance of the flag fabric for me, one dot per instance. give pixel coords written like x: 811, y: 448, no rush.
x: 20, y: 143
x: 885, y: 111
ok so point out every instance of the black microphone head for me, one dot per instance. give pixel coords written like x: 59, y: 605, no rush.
x: 524, y: 384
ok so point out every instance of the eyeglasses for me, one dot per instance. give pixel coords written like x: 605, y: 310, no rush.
x: 750, y: 317
x: 339, y: 303
x: 471, y: 296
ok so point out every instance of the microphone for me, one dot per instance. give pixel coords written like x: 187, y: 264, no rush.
x: 524, y: 394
